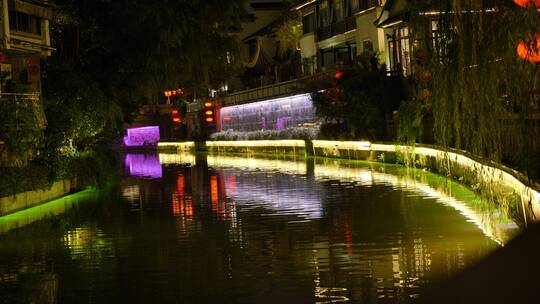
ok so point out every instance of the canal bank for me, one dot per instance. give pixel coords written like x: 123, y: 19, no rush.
x: 29, y: 199
x: 508, y: 189
x: 49, y: 178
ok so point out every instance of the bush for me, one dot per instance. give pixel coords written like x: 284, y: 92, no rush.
x: 357, y: 104
x: 289, y: 133
x: 92, y: 168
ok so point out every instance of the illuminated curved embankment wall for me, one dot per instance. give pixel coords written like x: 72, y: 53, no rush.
x: 484, y: 215
x: 274, y: 114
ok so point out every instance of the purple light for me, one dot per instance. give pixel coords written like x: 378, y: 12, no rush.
x: 143, y: 165
x: 138, y: 137
x: 274, y: 114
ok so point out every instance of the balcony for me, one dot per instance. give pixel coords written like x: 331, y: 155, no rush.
x: 337, y: 28
x: 276, y: 90
x: 28, y: 26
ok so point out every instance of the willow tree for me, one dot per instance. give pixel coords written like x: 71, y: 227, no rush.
x: 113, y: 56
x: 479, y: 92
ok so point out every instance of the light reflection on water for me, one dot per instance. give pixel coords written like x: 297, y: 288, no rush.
x: 143, y: 165
x: 237, y: 230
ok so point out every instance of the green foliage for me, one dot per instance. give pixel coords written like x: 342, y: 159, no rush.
x: 288, y: 33
x: 77, y: 109
x: 18, y: 128
x: 358, y: 104
x: 134, y: 49
x: 93, y: 168
x: 471, y: 85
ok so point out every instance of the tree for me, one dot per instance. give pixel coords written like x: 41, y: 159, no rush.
x: 113, y: 56
x: 357, y: 104
x: 477, y: 92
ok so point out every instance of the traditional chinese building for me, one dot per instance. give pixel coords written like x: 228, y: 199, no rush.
x: 335, y: 32
x: 24, y: 43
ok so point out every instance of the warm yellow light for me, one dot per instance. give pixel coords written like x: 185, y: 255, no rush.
x: 208, y: 104
x: 176, y: 119
x: 177, y: 158
x: 250, y: 163
x: 181, y: 146
x: 209, y: 112
x: 258, y: 143
x: 209, y: 119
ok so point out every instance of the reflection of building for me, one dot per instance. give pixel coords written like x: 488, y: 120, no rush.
x: 344, y: 231
x: 273, y: 193
x: 143, y: 165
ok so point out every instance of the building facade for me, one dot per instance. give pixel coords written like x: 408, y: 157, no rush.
x: 24, y: 43
x: 335, y: 32
x: 25, y: 40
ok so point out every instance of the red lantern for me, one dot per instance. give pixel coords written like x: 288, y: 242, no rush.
x: 527, y: 3
x: 530, y: 49
x: 175, y: 115
x: 424, y: 95
x: 425, y: 75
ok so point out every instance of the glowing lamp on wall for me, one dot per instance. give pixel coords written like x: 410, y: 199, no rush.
x: 339, y: 74
x: 530, y: 49
x: 209, y: 113
x: 528, y: 3
x: 175, y: 115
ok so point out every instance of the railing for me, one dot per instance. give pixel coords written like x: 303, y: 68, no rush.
x: 20, y: 97
x: 336, y: 28
x: 27, y: 109
x: 280, y: 89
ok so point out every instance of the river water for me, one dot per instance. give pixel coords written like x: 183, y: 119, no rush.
x: 221, y: 229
